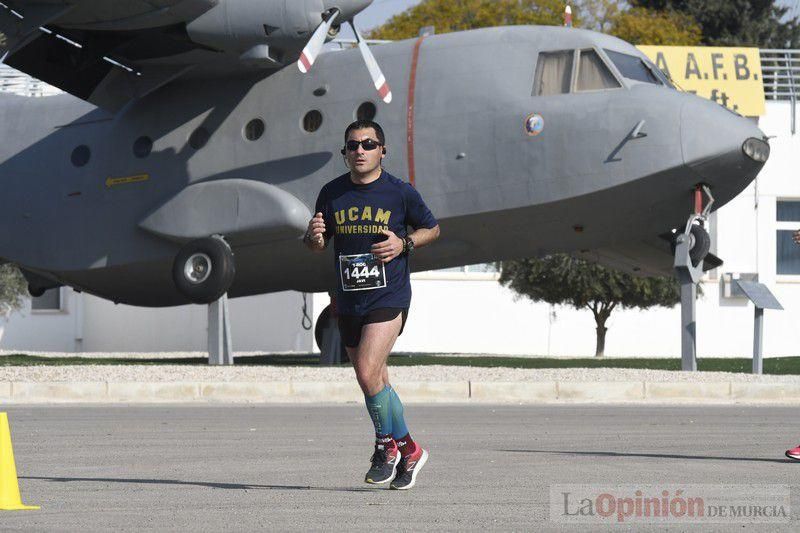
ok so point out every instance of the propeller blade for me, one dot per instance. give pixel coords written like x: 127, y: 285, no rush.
x: 374, y: 69
x: 315, y: 44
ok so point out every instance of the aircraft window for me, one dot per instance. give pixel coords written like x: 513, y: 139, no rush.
x: 81, y: 155
x: 199, y: 138
x: 553, y: 73
x: 254, y: 129
x: 593, y: 74
x: 632, y: 67
x: 312, y: 121
x: 660, y: 74
x: 366, y: 111
x: 142, y: 147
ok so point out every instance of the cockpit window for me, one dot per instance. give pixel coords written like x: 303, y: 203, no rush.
x: 593, y: 74
x: 553, y: 73
x: 660, y: 74
x: 633, y: 67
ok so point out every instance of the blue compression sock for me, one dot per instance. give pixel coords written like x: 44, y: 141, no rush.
x: 399, y: 429
x: 380, y: 410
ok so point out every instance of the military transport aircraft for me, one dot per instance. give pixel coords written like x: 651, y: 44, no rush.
x: 187, y: 155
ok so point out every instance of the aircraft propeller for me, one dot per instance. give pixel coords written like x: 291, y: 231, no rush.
x: 317, y: 41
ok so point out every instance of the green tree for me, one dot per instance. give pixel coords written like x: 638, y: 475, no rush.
x: 736, y: 22
x: 647, y: 26
x: 562, y: 279
x: 13, y: 288
x: 598, y: 15
x: 458, y: 15
x: 639, y: 25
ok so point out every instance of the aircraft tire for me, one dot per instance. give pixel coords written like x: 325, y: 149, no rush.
x: 701, y: 246
x: 319, y: 331
x: 213, y: 271
x: 322, y: 321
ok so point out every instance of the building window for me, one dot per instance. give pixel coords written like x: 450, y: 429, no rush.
x: 788, y: 253
x: 553, y: 73
x: 49, y: 301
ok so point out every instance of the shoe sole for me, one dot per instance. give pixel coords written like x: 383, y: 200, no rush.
x: 390, y: 478
x: 792, y: 457
x: 420, y: 464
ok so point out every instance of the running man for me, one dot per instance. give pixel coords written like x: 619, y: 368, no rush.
x: 367, y: 213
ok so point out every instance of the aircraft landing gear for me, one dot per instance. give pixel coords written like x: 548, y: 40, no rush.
x: 204, y: 269
x: 691, y: 251
x: 326, y: 333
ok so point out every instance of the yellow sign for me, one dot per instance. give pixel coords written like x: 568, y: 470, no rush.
x: 728, y: 76
x: 110, y: 182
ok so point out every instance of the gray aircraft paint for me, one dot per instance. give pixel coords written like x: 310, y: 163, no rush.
x: 497, y: 192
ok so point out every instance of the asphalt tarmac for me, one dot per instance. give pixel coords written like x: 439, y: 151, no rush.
x: 281, y: 467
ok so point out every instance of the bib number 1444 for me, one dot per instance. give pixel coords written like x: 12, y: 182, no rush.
x: 361, y: 272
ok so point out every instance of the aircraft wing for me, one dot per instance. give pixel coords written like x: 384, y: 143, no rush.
x: 107, y: 52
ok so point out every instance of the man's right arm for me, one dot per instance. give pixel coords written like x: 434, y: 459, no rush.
x: 314, y: 238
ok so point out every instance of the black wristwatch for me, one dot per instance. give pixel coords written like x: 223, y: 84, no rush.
x: 408, y: 245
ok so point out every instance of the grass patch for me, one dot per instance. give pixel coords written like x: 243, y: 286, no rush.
x: 777, y: 365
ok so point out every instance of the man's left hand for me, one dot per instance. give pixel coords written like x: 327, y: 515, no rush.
x: 388, y: 249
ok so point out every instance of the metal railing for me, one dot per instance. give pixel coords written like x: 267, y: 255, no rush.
x: 781, y: 71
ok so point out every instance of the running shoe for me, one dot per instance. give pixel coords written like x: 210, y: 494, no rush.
x: 384, y: 464
x: 794, y: 453
x: 408, y: 469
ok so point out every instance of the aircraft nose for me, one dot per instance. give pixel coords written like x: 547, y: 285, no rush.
x: 349, y: 8
x: 722, y: 147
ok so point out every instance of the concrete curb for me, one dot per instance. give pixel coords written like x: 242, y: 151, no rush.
x: 529, y: 392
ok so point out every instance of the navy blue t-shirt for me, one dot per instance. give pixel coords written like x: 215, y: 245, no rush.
x: 354, y: 216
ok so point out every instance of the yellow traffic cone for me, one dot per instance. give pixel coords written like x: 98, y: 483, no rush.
x: 9, y: 487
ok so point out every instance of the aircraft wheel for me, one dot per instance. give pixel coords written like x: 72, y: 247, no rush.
x: 204, y: 269
x: 701, y: 244
x: 319, y: 331
x: 322, y: 322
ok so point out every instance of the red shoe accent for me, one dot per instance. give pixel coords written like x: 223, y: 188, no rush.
x: 794, y: 453
x: 413, y: 457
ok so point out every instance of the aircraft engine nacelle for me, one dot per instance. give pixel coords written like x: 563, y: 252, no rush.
x: 246, y: 27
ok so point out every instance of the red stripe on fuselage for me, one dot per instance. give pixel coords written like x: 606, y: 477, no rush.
x: 412, y: 82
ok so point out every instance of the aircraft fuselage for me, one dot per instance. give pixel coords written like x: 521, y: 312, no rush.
x: 507, y: 174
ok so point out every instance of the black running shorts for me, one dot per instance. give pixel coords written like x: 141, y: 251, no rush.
x: 350, y: 325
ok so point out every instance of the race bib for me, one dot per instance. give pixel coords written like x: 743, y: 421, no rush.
x: 361, y: 272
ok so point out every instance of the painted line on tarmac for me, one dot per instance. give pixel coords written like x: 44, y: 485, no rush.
x: 530, y: 392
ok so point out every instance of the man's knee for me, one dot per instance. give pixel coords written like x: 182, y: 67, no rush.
x: 369, y: 373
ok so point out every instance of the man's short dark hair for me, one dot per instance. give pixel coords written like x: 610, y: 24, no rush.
x: 364, y: 124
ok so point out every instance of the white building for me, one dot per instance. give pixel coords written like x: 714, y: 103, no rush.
x: 469, y: 312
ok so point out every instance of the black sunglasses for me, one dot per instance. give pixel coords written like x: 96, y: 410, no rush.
x: 368, y: 145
